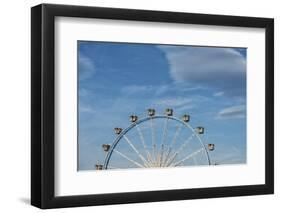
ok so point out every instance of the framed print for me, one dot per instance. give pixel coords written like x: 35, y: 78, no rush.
x: 140, y: 106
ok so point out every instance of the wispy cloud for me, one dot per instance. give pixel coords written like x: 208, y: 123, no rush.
x: 218, y: 94
x: 83, y: 108
x: 83, y: 92
x: 176, y: 102
x: 179, y: 104
x: 232, y: 112
x: 159, y: 90
x: 221, y: 68
x: 136, y: 89
x: 86, y: 67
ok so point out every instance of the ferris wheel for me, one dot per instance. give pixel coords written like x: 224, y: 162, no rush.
x: 157, y: 141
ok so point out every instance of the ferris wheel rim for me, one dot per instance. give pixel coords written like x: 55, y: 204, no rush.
x: 125, y: 131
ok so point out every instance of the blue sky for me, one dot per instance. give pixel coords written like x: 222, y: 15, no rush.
x: 120, y: 79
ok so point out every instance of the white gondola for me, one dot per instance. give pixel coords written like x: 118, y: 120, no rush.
x: 200, y: 130
x: 106, y: 147
x: 211, y: 147
x: 133, y: 118
x: 169, y: 112
x: 151, y: 112
x: 118, y: 130
x: 186, y: 118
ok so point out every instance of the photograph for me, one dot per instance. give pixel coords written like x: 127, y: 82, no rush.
x: 146, y: 105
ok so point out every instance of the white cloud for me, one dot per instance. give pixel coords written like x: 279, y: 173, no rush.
x: 162, y: 89
x: 83, y: 92
x: 232, y: 112
x: 135, y: 89
x: 158, y: 90
x: 86, y: 67
x: 222, y: 68
x: 85, y: 109
x: 218, y: 94
x: 176, y: 102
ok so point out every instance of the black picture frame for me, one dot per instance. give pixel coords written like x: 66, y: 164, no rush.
x: 43, y: 111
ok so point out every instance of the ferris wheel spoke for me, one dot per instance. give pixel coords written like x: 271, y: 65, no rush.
x: 163, y: 141
x: 171, y: 159
x: 144, y: 144
x: 158, y: 158
x: 164, y: 131
x: 188, y: 141
x: 187, y: 157
x: 181, y: 164
x: 154, y: 148
x: 127, y: 158
x: 136, y: 151
x: 195, y: 161
x: 176, y: 135
x: 161, y: 155
x: 179, y: 127
x: 167, y: 156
